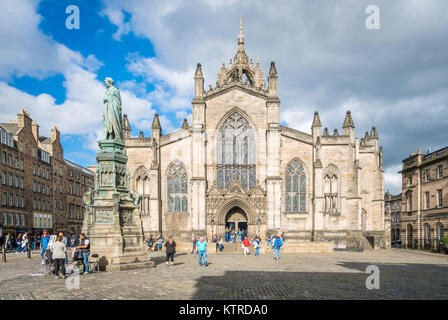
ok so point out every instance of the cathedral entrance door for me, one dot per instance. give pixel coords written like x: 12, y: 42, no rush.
x: 236, y: 219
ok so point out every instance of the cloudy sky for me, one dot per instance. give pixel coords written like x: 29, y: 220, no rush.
x: 394, y: 78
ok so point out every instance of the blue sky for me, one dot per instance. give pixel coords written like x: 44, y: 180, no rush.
x: 394, y: 78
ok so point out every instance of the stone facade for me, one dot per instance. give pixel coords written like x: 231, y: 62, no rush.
x: 392, y: 206
x: 241, y: 168
x: 35, y: 180
x: 425, y: 199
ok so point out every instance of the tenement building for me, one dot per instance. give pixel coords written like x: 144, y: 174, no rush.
x: 392, y: 205
x: 425, y: 199
x: 35, y: 182
x: 236, y: 166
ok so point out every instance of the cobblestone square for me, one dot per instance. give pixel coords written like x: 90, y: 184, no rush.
x: 403, y: 275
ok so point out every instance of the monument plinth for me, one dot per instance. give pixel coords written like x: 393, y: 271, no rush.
x: 112, y: 220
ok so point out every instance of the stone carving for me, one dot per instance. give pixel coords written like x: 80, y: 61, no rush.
x: 113, y: 123
x: 104, y: 216
x: 126, y: 216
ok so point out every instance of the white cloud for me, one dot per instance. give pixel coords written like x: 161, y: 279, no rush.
x: 392, y: 179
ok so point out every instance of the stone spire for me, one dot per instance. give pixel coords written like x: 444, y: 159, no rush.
x: 126, y: 127
x: 348, y: 122
x: 373, y: 133
x: 316, y: 121
x: 198, y: 82
x: 325, y: 132
x: 272, y: 80
x: 156, y: 122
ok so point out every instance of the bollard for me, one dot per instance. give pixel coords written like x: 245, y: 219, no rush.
x: 4, y: 254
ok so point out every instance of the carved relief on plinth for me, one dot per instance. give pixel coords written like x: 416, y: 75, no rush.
x: 126, y: 216
x: 104, y: 216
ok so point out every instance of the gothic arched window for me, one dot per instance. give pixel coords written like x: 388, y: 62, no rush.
x: 141, y: 182
x: 236, y: 153
x: 177, y: 188
x: 331, y: 188
x: 295, y: 187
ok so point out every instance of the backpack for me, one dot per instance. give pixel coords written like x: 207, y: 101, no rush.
x: 77, y: 255
x: 278, y: 245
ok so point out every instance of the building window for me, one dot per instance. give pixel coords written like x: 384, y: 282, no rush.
x: 10, y: 160
x: 10, y: 179
x: 22, y: 165
x: 426, y: 175
x: 427, y: 234
x: 236, y: 158
x: 410, y: 180
x: 3, y: 157
x: 409, y: 201
x: 22, y: 183
x: 331, y: 191
x: 440, y: 232
x: 439, y: 198
x: 439, y: 172
x: 142, y: 188
x: 426, y: 200
x: 177, y: 188
x: 11, y: 219
x: 295, y: 187
x: 5, y: 219
x: 11, y: 199
x: 3, y: 177
x: 4, y: 199
x: 23, y: 219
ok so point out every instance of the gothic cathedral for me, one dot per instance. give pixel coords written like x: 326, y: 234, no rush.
x: 236, y: 166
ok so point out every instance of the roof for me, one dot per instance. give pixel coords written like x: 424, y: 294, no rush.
x: 10, y: 127
x: 78, y: 167
x: 44, y: 140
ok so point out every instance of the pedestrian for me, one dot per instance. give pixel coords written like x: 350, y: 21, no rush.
x: 19, y: 243
x: 159, y: 242
x: 193, y: 238
x: 278, y: 243
x: 64, y: 241
x: 246, y: 245
x: 150, y: 243
x: 256, y: 244
x: 24, y: 243
x: 239, y: 235
x: 59, y: 255
x: 170, y: 246
x: 9, y: 244
x: 44, y: 241
x: 226, y: 235
x: 85, y: 251
x: 220, y: 244
x: 201, y: 249
x: 216, y: 241
x: 268, y: 241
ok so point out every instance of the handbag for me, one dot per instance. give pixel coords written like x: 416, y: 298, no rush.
x: 77, y: 255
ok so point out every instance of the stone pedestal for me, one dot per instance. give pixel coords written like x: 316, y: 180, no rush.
x: 112, y: 221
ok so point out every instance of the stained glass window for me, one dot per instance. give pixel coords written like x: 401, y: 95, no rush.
x: 177, y: 188
x: 236, y: 153
x: 295, y: 187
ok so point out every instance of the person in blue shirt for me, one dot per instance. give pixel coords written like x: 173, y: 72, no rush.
x: 278, y: 243
x: 201, y: 249
x: 44, y: 241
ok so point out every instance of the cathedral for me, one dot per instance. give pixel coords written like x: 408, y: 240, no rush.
x: 235, y: 166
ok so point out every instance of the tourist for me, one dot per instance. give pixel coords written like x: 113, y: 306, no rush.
x: 256, y: 245
x: 220, y: 244
x: 59, y: 255
x: 9, y: 244
x: 193, y: 238
x: 246, y: 246
x: 170, y: 246
x: 226, y: 235
x: 85, y: 251
x: 159, y: 242
x: 216, y: 240
x: 239, y: 235
x: 150, y: 242
x: 201, y: 249
x: 19, y: 243
x: 278, y: 243
x: 25, y: 241
x: 44, y: 241
x: 64, y: 241
x: 232, y: 236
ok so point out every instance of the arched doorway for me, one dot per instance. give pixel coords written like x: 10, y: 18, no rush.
x: 236, y: 219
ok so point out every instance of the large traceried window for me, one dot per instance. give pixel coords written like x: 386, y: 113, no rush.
x: 177, y: 188
x: 295, y: 187
x: 142, y: 188
x: 236, y: 153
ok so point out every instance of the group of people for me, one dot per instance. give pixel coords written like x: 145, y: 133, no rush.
x: 154, y: 243
x: 26, y: 241
x: 231, y: 235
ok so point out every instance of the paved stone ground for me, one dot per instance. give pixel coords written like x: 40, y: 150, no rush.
x: 403, y: 275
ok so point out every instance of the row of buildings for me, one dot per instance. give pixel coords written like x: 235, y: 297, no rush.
x: 39, y: 188
x: 419, y: 215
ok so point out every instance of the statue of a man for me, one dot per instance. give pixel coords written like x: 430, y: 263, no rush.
x: 113, y: 125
